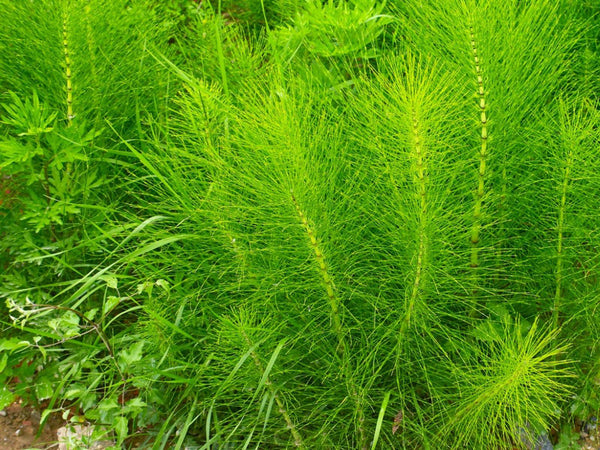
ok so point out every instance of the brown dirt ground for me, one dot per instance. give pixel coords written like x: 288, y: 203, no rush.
x: 19, y: 427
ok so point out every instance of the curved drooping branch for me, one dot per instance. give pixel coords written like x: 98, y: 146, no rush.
x: 336, y: 319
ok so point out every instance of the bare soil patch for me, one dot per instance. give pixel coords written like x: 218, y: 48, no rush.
x: 19, y: 428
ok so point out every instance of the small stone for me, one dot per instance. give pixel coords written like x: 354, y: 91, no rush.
x: 3, y: 413
x: 543, y: 443
x: 590, y: 425
x: 535, y: 441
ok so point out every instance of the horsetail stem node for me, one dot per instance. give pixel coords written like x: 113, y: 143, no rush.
x: 69, y: 83
x: 483, y: 153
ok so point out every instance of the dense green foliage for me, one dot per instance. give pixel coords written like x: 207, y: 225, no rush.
x: 281, y: 223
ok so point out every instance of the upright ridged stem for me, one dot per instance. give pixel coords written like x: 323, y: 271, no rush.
x: 326, y: 278
x: 419, y: 169
x: 280, y: 405
x: 483, y: 153
x: 69, y: 83
x: 336, y: 320
x: 91, y: 46
x: 562, y: 210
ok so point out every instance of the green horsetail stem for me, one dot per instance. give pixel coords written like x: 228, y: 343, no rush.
x: 419, y: 169
x: 70, y: 114
x: 477, y: 210
x: 333, y: 300
x: 481, y: 173
x: 280, y: 405
x: 560, y: 237
x: 327, y: 281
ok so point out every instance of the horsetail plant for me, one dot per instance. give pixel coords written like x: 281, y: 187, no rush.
x: 350, y: 224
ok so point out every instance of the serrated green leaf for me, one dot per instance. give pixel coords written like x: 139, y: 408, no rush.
x: 75, y: 391
x: 110, y: 302
x: 131, y: 355
x: 6, y: 397
x: 92, y: 414
x: 87, y: 400
x: 120, y: 426
x: 107, y: 404
x: 91, y: 313
x: 134, y: 406
x: 111, y: 280
x: 44, y: 389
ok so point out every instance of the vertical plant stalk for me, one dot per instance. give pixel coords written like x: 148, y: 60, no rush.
x: 280, y: 405
x: 562, y: 211
x: 220, y: 55
x: 327, y: 281
x: 91, y: 44
x: 483, y: 153
x: 69, y: 83
x: 503, y: 208
x: 238, y: 253
x: 336, y: 320
x: 419, y: 169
